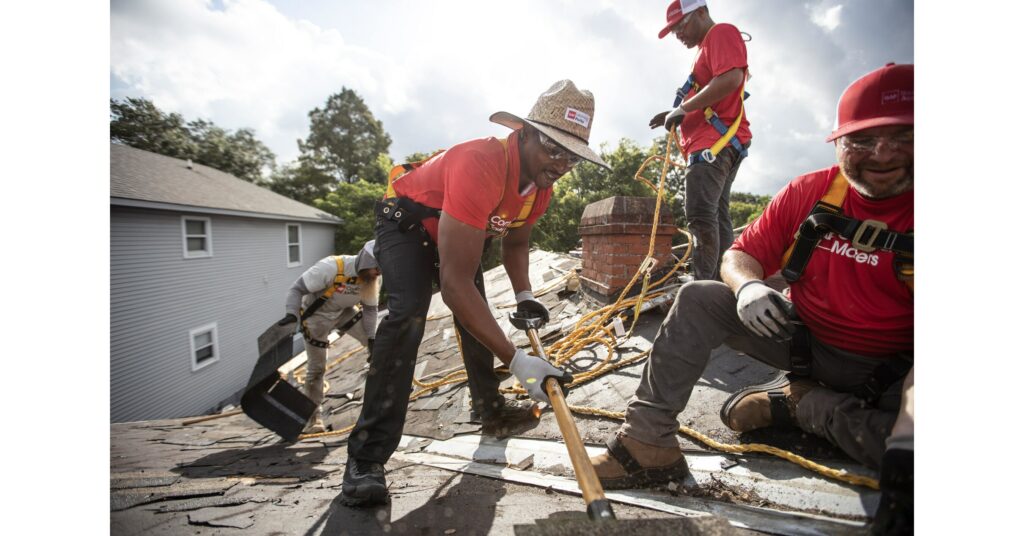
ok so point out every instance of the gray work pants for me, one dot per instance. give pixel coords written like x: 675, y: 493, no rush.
x: 320, y: 326
x: 708, y: 186
x: 704, y: 317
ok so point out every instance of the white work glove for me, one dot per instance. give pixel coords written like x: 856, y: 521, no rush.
x: 532, y: 371
x: 764, y: 310
x: 674, y: 118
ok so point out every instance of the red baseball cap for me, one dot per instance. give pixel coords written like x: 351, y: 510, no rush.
x: 676, y: 11
x: 880, y: 98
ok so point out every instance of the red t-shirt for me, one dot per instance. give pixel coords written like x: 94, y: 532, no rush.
x: 848, y: 298
x: 475, y: 183
x: 721, y: 50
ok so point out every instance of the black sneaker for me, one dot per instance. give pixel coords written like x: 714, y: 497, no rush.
x: 511, y: 418
x: 364, y: 484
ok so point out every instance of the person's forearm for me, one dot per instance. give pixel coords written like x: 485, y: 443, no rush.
x: 370, y: 320
x: 904, y: 427
x: 469, y: 307
x: 716, y: 90
x: 739, y: 268
x: 293, y: 300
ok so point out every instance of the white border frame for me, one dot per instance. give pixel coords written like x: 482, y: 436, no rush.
x: 212, y: 328
x: 184, y: 238
x: 288, y: 245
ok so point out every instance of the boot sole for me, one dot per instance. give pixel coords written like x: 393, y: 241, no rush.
x: 647, y: 478
x: 363, y: 495
x: 778, y: 382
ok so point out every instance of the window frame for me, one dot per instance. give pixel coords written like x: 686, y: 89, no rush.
x: 208, y: 328
x: 288, y: 245
x: 208, y: 236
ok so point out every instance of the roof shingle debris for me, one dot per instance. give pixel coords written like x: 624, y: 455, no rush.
x: 165, y: 469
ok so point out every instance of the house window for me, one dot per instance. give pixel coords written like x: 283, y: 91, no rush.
x: 293, y: 233
x: 204, y: 346
x: 196, y: 237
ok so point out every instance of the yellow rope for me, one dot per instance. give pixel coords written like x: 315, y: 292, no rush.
x: 587, y: 333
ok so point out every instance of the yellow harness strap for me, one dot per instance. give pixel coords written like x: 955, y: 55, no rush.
x: 721, y: 143
x: 339, y: 279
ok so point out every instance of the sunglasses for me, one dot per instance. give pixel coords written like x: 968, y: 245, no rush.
x: 864, y: 144
x: 556, y: 151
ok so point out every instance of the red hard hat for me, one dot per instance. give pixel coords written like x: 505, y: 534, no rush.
x: 880, y: 98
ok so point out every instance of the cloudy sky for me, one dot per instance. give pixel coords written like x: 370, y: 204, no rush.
x: 434, y: 71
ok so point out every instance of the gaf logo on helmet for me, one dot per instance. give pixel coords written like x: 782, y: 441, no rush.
x: 896, y: 95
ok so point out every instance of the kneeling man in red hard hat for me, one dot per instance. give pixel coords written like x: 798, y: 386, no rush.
x: 841, y: 335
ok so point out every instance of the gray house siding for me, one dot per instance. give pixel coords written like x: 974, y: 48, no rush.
x: 157, y: 296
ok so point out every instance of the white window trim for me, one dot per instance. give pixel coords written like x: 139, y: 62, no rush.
x: 288, y: 245
x: 212, y: 328
x: 184, y: 238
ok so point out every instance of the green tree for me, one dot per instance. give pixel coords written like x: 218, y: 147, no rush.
x: 345, y: 140
x: 139, y: 123
x: 744, y: 208
x: 354, y: 204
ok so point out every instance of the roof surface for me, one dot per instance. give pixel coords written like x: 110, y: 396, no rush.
x: 143, y: 176
x: 207, y: 477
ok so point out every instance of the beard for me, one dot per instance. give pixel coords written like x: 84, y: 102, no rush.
x: 855, y: 174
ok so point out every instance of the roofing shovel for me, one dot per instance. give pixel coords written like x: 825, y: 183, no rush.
x: 269, y: 399
x: 598, y: 507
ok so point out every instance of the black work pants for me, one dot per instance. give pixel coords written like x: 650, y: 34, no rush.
x: 407, y: 265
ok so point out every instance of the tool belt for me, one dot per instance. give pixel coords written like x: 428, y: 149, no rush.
x: 341, y: 329
x: 407, y: 213
x: 888, y: 372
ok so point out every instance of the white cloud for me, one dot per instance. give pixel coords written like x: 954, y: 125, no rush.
x: 433, y: 76
x: 827, y: 17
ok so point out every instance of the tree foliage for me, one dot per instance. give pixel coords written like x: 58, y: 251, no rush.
x: 354, y: 204
x: 744, y: 208
x: 139, y: 123
x: 345, y: 140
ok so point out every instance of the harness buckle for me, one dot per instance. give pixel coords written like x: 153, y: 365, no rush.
x: 707, y: 156
x: 875, y: 227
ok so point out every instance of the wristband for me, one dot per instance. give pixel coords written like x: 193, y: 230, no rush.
x: 745, y: 285
x: 524, y: 295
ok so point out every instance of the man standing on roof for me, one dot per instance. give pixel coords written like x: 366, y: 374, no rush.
x: 851, y: 277
x: 713, y: 127
x: 324, y: 297
x: 434, y: 224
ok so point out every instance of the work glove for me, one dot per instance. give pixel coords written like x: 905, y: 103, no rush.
x: 765, y: 311
x: 674, y: 118
x: 895, y: 514
x: 532, y: 371
x: 529, y: 306
x: 658, y: 120
x: 288, y: 319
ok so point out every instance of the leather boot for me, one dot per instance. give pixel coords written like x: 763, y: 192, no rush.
x: 629, y: 463
x: 363, y: 484
x: 511, y: 417
x: 772, y: 403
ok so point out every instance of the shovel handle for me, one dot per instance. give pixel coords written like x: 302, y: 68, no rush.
x: 598, y: 508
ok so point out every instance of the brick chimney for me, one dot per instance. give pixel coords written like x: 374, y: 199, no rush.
x: 616, y: 234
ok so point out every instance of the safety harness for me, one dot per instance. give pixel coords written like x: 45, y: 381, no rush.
x: 866, y: 235
x: 728, y: 133
x: 339, y: 280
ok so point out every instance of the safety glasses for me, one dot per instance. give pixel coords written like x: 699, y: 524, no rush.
x: 865, y: 144
x: 556, y: 151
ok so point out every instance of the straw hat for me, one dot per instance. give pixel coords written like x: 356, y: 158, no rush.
x: 564, y: 114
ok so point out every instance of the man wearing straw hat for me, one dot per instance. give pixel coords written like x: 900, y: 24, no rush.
x: 433, y: 225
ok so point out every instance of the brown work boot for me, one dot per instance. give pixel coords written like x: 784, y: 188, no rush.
x: 772, y: 403
x: 512, y: 417
x: 629, y: 463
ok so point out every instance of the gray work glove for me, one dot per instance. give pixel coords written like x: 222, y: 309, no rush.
x: 532, y: 371
x: 658, y: 120
x: 528, y: 306
x: 674, y: 118
x: 765, y: 311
